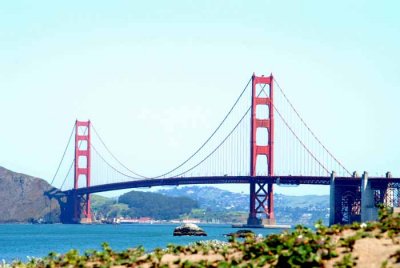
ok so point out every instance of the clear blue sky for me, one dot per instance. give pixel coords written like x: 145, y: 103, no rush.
x: 157, y: 76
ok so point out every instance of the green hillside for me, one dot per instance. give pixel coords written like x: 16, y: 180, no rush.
x: 143, y: 204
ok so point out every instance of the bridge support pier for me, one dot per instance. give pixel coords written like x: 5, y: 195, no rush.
x: 354, y: 199
x: 252, y: 219
x: 369, y: 212
x: 261, y: 202
x: 345, y: 200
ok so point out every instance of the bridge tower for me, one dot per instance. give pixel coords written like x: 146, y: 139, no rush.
x: 82, y: 164
x: 261, y: 194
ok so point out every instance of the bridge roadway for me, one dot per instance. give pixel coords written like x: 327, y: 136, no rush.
x: 279, y: 180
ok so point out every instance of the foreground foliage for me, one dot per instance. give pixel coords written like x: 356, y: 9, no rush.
x: 302, y: 247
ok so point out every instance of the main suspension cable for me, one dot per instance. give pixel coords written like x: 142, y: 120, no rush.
x: 212, y: 135
x: 69, y: 171
x: 72, y: 163
x: 114, y: 157
x: 219, y: 145
x: 312, y: 133
x: 111, y: 166
x: 299, y: 140
x: 223, y: 141
x: 62, y: 158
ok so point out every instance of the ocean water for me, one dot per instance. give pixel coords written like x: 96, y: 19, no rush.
x: 20, y: 241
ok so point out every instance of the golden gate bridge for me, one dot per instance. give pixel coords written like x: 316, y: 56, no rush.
x: 261, y: 141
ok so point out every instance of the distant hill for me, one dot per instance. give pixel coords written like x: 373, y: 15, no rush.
x: 288, y: 209
x: 211, y: 198
x: 217, y: 199
x: 26, y: 199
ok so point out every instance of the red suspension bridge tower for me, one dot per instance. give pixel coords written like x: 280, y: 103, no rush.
x: 82, y: 165
x: 261, y: 194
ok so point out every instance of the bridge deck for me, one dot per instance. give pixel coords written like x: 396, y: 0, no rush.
x: 279, y: 180
x: 284, y: 180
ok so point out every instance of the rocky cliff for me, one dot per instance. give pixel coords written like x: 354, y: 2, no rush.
x: 26, y: 199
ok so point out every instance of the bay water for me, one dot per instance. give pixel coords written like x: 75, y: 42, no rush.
x: 21, y: 241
